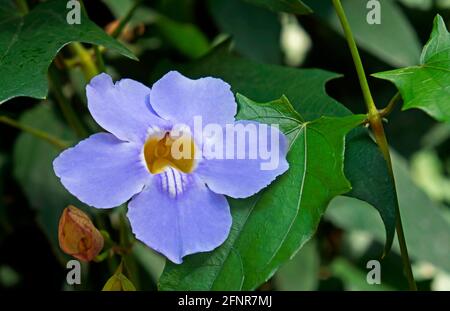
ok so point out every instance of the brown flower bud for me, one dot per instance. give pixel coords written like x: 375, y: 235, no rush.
x: 78, y: 236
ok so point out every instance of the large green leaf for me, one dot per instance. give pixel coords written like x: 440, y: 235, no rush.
x: 270, y: 227
x: 255, y: 31
x: 394, y: 40
x: 426, y: 229
x: 33, y: 169
x: 427, y: 86
x: 305, y: 88
x: 29, y: 43
x: 288, y: 6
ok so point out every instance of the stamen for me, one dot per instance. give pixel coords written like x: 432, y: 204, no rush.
x: 162, y: 151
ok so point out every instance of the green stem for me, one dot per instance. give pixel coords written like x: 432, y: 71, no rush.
x: 100, y: 61
x: 378, y: 130
x: 87, y: 63
x: 391, y: 105
x: 66, y: 108
x: 23, y: 6
x: 356, y: 58
x: 35, y: 132
x: 123, y: 22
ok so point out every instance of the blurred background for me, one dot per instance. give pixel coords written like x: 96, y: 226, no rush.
x: 165, y: 34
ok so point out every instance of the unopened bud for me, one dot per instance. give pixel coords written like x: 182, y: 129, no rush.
x: 78, y: 236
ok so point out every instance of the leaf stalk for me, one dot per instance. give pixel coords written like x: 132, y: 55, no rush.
x: 391, y: 105
x: 66, y: 108
x: 376, y: 124
x: 35, y: 132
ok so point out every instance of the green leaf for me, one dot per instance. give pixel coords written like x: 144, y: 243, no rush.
x: 427, y: 86
x: 425, y: 226
x: 288, y: 6
x: 152, y: 262
x: 119, y: 282
x: 394, y: 41
x: 424, y: 5
x: 33, y: 170
x: 270, y: 227
x: 255, y: 31
x: 362, y: 159
x: 186, y: 38
x: 306, y: 90
x: 354, y: 279
x: 29, y: 43
x: 302, y: 272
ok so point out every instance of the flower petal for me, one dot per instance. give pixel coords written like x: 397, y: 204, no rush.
x: 122, y: 108
x: 194, y: 220
x: 241, y: 178
x: 179, y: 99
x: 102, y: 171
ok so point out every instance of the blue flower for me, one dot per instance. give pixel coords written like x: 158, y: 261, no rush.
x: 178, y: 205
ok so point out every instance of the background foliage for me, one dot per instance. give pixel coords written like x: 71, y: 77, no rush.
x: 293, y: 67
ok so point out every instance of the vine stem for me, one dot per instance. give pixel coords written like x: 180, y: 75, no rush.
x: 123, y: 21
x: 376, y: 124
x: 35, y: 132
x: 86, y: 60
x: 65, y: 106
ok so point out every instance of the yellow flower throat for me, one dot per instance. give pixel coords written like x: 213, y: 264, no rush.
x: 175, y: 152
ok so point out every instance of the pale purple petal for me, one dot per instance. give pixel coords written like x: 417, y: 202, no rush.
x: 180, y: 220
x: 179, y: 99
x: 241, y: 178
x: 122, y: 108
x: 102, y: 171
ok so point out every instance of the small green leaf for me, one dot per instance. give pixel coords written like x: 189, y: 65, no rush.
x: 288, y: 6
x: 29, y: 43
x: 427, y: 86
x: 119, y: 282
x: 270, y: 227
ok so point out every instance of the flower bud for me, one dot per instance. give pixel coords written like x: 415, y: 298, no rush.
x: 78, y: 236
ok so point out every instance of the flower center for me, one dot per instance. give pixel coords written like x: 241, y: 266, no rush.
x: 176, y: 152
